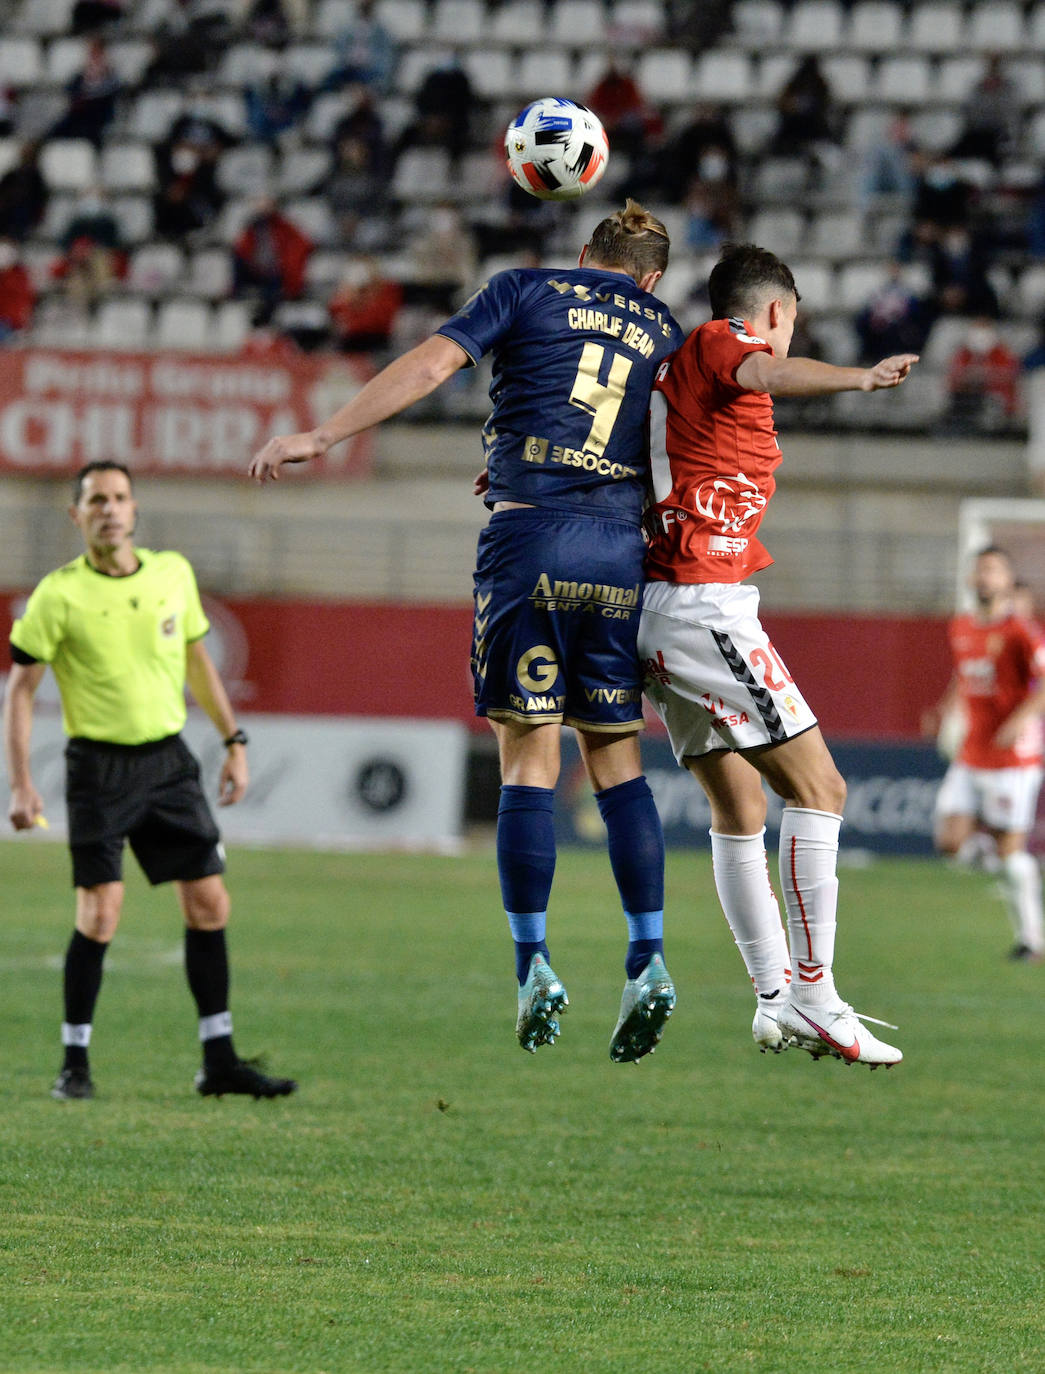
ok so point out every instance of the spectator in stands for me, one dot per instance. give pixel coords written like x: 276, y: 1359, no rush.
x: 959, y: 272
x: 7, y: 111
x: 23, y: 195
x: 807, y: 123
x: 704, y: 150
x: 189, y: 196
x: 712, y: 214
x: 89, y: 15
x: 889, y: 166
x: 275, y: 105
x: 93, y: 258
x: 269, y: 259
x: 992, y: 117
x: 364, y: 307
x: 628, y: 118
x: 366, y: 52
x: 1034, y: 388
x: 356, y: 189
x: 893, y: 320
x: 192, y: 36
x: 983, y: 381
x: 273, y: 22
x: 942, y: 196
x: 444, y: 259
x: 698, y: 24
x: 443, y: 111
x: 364, y: 121
x: 93, y: 93
x: 17, y: 296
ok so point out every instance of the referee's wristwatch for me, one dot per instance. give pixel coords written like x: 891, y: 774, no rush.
x: 240, y: 737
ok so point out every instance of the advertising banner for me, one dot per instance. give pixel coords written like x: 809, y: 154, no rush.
x: 167, y: 413
x: 889, y: 809
x: 327, y: 784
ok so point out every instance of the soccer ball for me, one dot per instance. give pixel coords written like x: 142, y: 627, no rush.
x: 556, y: 149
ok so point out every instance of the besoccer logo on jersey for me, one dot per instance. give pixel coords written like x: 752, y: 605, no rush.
x: 168, y: 626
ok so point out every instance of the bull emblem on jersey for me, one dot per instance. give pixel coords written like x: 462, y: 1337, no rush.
x: 730, y: 502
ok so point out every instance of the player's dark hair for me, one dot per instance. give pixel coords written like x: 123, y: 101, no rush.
x: 995, y: 551
x: 102, y: 465
x: 744, y: 278
x: 632, y: 239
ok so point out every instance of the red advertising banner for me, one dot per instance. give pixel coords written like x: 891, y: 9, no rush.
x: 167, y: 413
x: 867, y: 677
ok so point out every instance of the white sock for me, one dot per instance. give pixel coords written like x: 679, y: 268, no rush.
x: 76, y: 1035
x: 1023, y: 891
x: 750, y: 906
x: 808, y: 865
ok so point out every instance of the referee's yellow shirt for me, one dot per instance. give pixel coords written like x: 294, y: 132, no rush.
x: 116, y: 645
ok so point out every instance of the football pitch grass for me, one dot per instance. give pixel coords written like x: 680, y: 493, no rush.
x: 434, y: 1199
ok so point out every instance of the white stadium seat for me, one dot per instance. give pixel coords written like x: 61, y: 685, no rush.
x: 246, y: 171
x: 1030, y: 290
x: 134, y: 217
x: 636, y: 22
x: 903, y: 80
x: 231, y: 326
x: 122, y: 324
x: 69, y: 164
x: 542, y: 73
x: 848, y: 76
x: 725, y: 76
x: 838, y: 234
x: 515, y: 23
x: 184, y: 324
x: 667, y: 74
x: 956, y: 76
x: 332, y: 17
x: 875, y: 26
x: 44, y: 17
x: 758, y: 23
x: 815, y: 25
x: 246, y: 64
x: 936, y: 130
x: 314, y: 217
x: 575, y: 23
x: 935, y: 27
x: 1029, y: 75
x: 417, y: 63
x: 210, y: 273
x: 774, y: 71
x: 457, y: 21
x: 815, y: 283
x: 489, y: 70
x: 405, y: 20
x: 20, y: 62
x: 301, y: 171
x: 855, y: 283
x: 421, y: 174
x: 308, y: 63
x: 130, y: 58
x: 156, y: 267
x: 153, y: 113
x: 65, y: 59
x: 995, y: 27
x: 781, y: 231
x: 10, y: 150
x: 127, y: 167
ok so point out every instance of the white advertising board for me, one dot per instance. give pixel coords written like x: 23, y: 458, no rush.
x: 323, y: 781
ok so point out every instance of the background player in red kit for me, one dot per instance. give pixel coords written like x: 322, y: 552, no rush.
x: 711, y: 673
x: 999, y: 683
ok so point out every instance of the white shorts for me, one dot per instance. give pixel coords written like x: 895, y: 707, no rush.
x: 1002, y: 798
x: 711, y: 673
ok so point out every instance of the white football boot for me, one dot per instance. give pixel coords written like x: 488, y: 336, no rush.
x: 835, y: 1029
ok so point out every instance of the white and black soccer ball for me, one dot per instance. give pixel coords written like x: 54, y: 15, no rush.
x: 556, y: 149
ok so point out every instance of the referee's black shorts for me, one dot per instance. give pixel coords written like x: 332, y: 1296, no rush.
x: 147, y: 794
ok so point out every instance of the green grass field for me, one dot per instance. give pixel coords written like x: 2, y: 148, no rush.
x: 435, y: 1200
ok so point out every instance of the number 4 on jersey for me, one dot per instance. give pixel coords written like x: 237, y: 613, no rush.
x: 601, y: 400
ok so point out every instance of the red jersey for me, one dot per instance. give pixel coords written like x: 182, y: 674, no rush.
x: 998, y: 663
x: 714, y: 450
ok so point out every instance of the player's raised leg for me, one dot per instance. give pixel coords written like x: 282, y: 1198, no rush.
x: 636, y: 848
x: 741, y: 869
x: 813, y: 1014
x: 529, y: 757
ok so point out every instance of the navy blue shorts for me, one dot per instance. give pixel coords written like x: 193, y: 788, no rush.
x: 557, y: 605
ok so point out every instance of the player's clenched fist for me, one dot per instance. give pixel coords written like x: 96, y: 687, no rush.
x: 890, y: 371
x: 285, y: 448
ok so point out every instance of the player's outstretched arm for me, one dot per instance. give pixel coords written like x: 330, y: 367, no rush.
x: 400, y: 384
x: 809, y: 377
x: 1013, y: 726
x: 26, y: 803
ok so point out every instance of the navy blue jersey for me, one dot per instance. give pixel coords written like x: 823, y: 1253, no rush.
x: 575, y: 352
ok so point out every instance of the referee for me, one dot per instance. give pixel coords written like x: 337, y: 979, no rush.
x: 122, y: 629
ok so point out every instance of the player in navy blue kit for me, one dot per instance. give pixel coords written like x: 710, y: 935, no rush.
x: 558, y: 582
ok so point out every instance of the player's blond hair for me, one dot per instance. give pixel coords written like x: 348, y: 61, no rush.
x: 632, y: 239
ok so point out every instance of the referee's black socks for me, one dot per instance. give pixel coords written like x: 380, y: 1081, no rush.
x: 207, y: 969
x: 82, y: 981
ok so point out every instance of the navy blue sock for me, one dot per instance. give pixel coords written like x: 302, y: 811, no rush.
x: 526, y: 864
x: 636, y: 846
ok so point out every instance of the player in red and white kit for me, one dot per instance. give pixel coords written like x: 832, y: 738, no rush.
x: 732, y: 710
x: 999, y: 684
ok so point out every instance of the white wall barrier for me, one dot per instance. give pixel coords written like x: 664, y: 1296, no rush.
x: 323, y: 781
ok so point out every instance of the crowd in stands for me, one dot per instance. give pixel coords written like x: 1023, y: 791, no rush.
x: 341, y: 181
